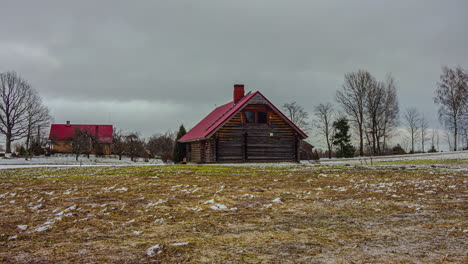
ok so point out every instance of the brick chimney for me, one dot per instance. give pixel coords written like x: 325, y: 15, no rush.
x: 238, y: 92
x: 68, y: 123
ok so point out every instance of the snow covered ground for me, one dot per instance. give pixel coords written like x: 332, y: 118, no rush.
x: 70, y: 161
x: 420, y: 156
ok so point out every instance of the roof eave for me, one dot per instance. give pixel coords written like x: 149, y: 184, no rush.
x: 192, y: 140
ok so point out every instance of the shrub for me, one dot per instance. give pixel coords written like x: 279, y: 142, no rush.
x: 432, y: 150
x: 398, y: 150
x: 166, y: 156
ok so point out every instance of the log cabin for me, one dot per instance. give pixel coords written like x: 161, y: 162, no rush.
x: 61, y: 137
x: 248, y: 129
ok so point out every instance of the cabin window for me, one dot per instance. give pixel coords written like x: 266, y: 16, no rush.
x: 253, y: 117
x: 262, y: 117
x: 249, y: 117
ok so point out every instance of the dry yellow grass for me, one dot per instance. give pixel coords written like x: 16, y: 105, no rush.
x: 323, y: 215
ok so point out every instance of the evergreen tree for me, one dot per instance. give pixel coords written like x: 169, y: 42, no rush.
x: 179, y: 148
x: 342, y: 139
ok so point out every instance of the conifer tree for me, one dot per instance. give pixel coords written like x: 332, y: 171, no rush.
x: 179, y: 148
x: 342, y: 139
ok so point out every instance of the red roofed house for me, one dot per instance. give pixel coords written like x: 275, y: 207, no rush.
x: 61, y: 136
x: 248, y: 129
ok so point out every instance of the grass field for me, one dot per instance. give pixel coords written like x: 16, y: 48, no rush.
x: 222, y: 214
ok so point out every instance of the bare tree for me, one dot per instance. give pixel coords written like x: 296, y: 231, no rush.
x: 161, y: 144
x: 135, y: 147
x: 325, y: 115
x: 452, y: 98
x: 448, y: 137
x: 464, y: 133
x: 464, y: 127
x: 297, y: 115
x: 434, y: 135
x: 16, y: 97
x: 82, y: 142
x: 412, y: 121
x: 352, y: 98
x: 392, y: 110
x: 118, y: 143
x: 375, y: 114
x: 37, y: 116
x: 424, y: 128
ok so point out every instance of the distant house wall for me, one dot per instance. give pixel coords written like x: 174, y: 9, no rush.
x: 65, y: 146
x: 61, y: 146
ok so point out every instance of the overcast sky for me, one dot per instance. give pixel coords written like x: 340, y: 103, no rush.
x: 151, y: 65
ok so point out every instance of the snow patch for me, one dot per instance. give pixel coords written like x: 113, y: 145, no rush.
x: 22, y: 227
x: 154, y: 250
x: 209, y: 202
x: 277, y: 200
x: 73, y: 207
x: 218, y: 207
x: 180, y: 244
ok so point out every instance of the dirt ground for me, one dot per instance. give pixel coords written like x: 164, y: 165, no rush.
x: 222, y: 214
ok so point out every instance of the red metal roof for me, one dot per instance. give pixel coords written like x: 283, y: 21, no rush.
x: 103, y: 133
x: 214, y: 120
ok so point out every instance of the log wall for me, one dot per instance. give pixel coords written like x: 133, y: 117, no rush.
x: 236, y: 141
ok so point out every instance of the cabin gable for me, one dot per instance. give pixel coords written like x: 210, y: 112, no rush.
x: 239, y: 141
x: 252, y: 130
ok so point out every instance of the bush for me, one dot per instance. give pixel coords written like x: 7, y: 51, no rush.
x: 36, y: 148
x: 398, y: 150
x: 315, y: 155
x: 166, y: 156
x: 432, y: 150
x: 21, y: 151
x: 98, y: 150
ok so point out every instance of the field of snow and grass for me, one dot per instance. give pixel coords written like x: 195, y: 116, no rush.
x: 62, y: 160
x: 232, y: 214
x: 418, y: 158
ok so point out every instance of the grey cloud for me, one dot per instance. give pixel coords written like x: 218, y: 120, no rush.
x: 189, y: 53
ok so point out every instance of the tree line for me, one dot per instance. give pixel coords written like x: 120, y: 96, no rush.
x: 365, y: 106
x: 370, y: 108
x: 24, y: 117
x: 164, y: 145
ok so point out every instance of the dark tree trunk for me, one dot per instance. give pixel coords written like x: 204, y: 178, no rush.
x: 329, y: 148
x: 28, y: 148
x: 361, y: 141
x: 8, y: 143
x: 455, y: 133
